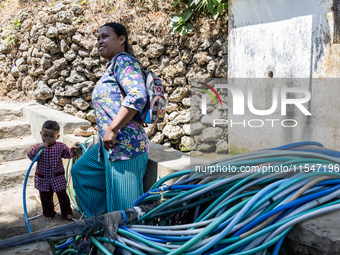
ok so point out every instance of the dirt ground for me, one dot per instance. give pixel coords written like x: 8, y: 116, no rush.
x: 12, y: 219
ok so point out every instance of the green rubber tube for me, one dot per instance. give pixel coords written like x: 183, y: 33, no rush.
x: 186, y: 207
x: 209, y: 228
x: 103, y: 239
x: 216, y: 209
x: 217, y: 201
x: 258, y: 248
x: 69, y: 251
x: 169, y: 177
x: 100, y: 246
x: 183, y: 194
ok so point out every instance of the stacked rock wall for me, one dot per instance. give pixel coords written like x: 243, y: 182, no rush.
x: 55, y: 61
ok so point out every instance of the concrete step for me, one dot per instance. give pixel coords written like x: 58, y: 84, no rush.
x: 10, y: 110
x: 38, y: 114
x: 16, y: 148
x: 13, y: 173
x: 14, y: 128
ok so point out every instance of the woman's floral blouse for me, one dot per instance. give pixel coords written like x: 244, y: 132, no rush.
x: 107, y: 100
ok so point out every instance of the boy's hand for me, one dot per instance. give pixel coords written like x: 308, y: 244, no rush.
x: 41, y: 146
x: 44, y: 145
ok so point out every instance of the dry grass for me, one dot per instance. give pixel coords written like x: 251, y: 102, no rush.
x: 149, y: 15
x: 138, y: 16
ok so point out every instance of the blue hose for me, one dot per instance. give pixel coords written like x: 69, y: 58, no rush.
x: 159, y: 240
x: 278, y: 246
x: 141, y: 198
x: 165, y: 188
x: 298, y: 144
x: 325, y: 152
x: 24, y: 193
x: 298, y: 201
x: 328, y: 182
x: 172, y: 238
x: 238, y: 216
x: 64, y: 245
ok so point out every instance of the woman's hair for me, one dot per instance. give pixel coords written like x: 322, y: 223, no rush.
x: 119, y: 30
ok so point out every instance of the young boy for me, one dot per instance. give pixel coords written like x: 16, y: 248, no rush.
x: 50, y: 173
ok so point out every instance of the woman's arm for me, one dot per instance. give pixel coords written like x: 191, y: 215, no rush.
x: 123, y: 116
x: 129, y: 75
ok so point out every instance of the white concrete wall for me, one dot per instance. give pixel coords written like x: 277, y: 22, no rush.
x: 38, y: 114
x: 289, y: 39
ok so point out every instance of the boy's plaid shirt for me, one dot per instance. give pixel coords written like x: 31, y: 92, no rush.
x: 50, y: 170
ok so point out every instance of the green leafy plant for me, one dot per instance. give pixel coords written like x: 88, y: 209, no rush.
x: 81, y: 20
x: 10, y: 39
x: 142, y: 6
x: 109, y: 2
x: 183, y: 23
x: 183, y: 149
x: 16, y: 23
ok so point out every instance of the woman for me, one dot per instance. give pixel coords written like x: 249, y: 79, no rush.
x: 111, y: 178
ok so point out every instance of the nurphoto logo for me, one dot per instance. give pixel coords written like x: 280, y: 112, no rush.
x: 204, y: 99
x: 281, y: 99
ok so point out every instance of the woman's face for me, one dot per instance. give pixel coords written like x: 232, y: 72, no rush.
x: 109, y: 43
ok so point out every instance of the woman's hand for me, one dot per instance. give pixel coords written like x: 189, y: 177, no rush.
x: 123, y: 116
x: 110, y: 139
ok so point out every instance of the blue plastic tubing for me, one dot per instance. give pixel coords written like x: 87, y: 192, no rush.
x: 24, y: 192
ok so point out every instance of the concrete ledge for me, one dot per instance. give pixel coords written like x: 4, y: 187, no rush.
x: 70, y: 139
x: 316, y: 236
x: 164, y: 161
x: 38, y: 114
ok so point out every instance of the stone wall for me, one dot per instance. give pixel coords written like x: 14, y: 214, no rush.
x: 56, y: 62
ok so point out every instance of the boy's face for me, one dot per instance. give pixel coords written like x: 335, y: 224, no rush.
x: 49, y: 136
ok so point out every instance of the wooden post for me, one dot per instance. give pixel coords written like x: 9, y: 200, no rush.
x: 336, y: 11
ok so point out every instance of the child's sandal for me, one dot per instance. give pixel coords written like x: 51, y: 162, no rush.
x: 69, y: 216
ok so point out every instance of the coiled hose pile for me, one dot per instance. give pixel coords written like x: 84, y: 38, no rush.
x: 243, y: 204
